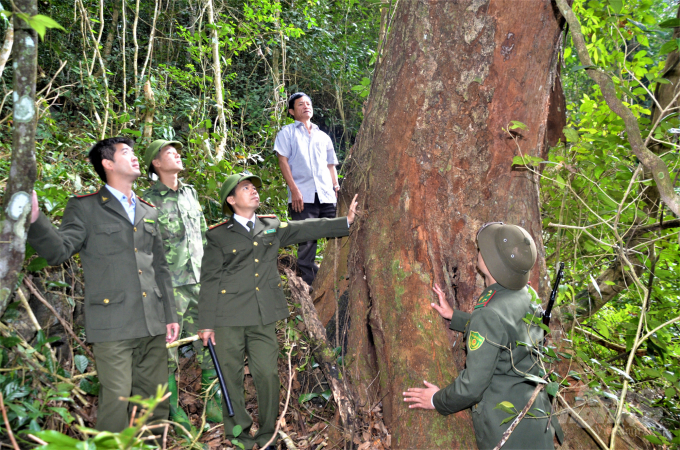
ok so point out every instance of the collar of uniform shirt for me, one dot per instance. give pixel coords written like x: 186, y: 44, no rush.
x: 122, y: 198
x: 244, y: 221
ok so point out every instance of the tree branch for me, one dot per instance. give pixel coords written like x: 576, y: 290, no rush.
x: 650, y: 160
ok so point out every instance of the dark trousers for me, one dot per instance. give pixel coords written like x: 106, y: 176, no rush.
x: 127, y: 368
x: 307, y: 250
x: 260, y: 344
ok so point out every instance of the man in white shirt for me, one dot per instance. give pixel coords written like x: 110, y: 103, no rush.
x: 307, y: 161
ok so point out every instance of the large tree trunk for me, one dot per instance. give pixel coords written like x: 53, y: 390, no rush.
x: 432, y: 164
x: 16, y: 211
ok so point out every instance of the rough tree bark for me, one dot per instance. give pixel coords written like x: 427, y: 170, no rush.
x: 14, y: 217
x: 432, y: 164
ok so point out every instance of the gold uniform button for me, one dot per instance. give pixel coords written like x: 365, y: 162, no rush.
x: 279, y: 285
x: 135, y: 250
x: 135, y: 228
x: 234, y: 251
x: 255, y: 244
x: 257, y: 288
x: 106, y: 301
x: 223, y: 291
x: 257, y: 260
x: 143, y: 294
x: 140, y: 272
x: 257, y: 275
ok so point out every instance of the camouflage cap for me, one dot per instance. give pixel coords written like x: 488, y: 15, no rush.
x: 153, y: 149
x: 509, y: 253
x: 230, y: 183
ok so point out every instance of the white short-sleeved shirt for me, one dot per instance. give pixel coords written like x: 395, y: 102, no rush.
x: 308, y: 157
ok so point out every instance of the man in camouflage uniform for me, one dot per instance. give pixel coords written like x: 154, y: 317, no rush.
x: 183, y: 228
x: 497, y: 367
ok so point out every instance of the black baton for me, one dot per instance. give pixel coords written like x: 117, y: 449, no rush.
x: 223, y: 385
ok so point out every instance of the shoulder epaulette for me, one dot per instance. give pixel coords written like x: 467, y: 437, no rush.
x: 484, y: 299
x: 215, y: 226
x: 267, y: 216
x: 87, y: 194
x: 144, y: 201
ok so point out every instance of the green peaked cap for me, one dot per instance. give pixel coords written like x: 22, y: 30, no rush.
x: 230, y: 183
x: 154, y: 148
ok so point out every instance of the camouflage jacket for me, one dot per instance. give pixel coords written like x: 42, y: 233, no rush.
x: 183, y: 228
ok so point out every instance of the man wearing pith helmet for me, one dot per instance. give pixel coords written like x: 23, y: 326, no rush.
x: 496, y: 366
x: 242, y: 298
x: 183, y: 227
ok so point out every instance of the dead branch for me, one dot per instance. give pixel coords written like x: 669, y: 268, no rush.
x: 519, y: 417
x: 323, y: 353
x: 285, y: 406
x: 9, y: 429
x: 65, y: 324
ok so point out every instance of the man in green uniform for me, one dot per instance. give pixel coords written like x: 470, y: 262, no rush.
x: 129, y: 305
x: 496, y: 366
x: 183, y: 227
x: 241, y: 297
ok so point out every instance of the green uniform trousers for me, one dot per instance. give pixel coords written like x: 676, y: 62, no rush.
x: 186, y: 298
x: 127, y: 368
x: 260, y: 344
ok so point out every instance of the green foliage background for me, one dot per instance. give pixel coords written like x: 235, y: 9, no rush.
x: 591, y: 190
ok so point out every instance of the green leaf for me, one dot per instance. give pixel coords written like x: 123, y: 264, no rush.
x: 55, y: 437
x: 515, y: 124
x: 507, y: 407
x: 135, y: 133
x: 616, y: 5
x: 37, y: 264
x: 535, y: 379
x: 237, y: 430
x: 508, y: 419
x: 653, y: 439
x: 576, y: 68
x: 63, y: 412
x: 81, y: 363
x: 307, y: 397
x: 668, y: 47
x: 327, y: 394
x: 602, y: 328
x: 552, y: 388
x: 670, y: 23
x: 570, y: 134
x: 670, y: 392
x: 41, y: 23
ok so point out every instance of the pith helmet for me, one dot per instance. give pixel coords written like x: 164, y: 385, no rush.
x: 230, y: 183
x: 509, y: 253
x: 153, y: 149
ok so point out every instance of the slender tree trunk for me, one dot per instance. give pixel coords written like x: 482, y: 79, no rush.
x: 108, y: 45
x: 431, y: 165
x: 7, y: 45
x: 217, y: 79
x: 149, y: 110
x: 16, y: 211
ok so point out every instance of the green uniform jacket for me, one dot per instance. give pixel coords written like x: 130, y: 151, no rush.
x: 128, y: 290
x: 240, y: 282
x: 183, y: 228
x: 491, y: 333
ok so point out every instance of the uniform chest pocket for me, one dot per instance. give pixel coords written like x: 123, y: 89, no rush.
x: 109, y: 238
x: 149, y: 236
x: 269, y: 239
x: 235, y: 252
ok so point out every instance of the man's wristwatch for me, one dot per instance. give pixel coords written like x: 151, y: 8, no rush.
x: 336, y: 187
